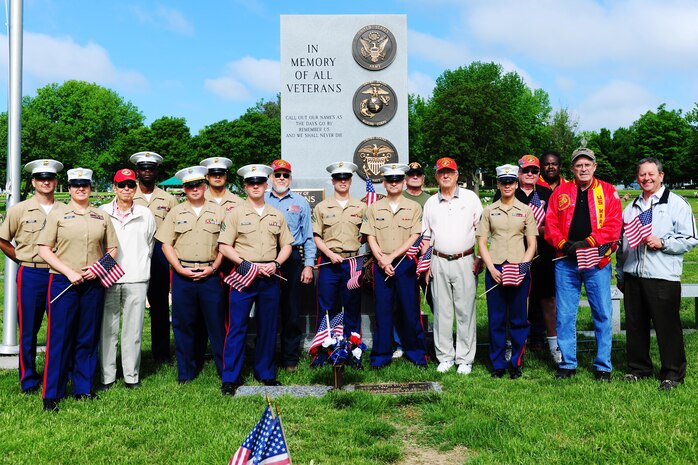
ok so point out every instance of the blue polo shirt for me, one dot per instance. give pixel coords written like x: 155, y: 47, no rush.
x: 296, y: 210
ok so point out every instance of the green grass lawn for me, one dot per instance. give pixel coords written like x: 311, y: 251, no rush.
x: 477, y: 419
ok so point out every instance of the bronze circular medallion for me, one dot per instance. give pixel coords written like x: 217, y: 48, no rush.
x: 375, y: 103
x: 371, y: 154
x: 374, y: 47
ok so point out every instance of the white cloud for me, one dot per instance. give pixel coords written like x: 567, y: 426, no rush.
x: 240, y: 75
x: 437, y: 51
x: 56, y: 59
x: 640, y: 33
x: 616, y: 104
x: 166, y: 18
x: 420, y: 84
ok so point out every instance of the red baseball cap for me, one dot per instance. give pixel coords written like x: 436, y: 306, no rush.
x: 446, y: 163
x: 529, y: 160
x: 280, y: 165
x: 125, y: 174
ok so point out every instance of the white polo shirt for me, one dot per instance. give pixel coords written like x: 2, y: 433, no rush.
x: 451, y: 223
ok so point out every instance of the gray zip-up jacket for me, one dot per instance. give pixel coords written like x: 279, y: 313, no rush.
x: 673, y: 222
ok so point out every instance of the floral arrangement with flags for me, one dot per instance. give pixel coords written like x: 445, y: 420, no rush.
x: 513, y: 274
x: 107, y: 270
x: 537, y: 208
x: 266, y: 443
x: 329, y: 344
x: 639, y: 228
x: 589, y: 257
x: 242, y: 276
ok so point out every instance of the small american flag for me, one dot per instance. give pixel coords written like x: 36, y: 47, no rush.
x: 371, y: 195
x: 538, y: 210
x: 513, y: 274
x: 414, y: 248
x: 323, y: 332
x: 639, y: 228
x: 356, y: 267
x: 107, y: 270
x: 254, y: 443
x: 242, y: 276
x: 275, y: 451
x: 424, y: 261
x: 589, y: 257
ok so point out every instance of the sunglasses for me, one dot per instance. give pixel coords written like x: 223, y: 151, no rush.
x: 125, y: 184
x: 282, y: 175
x: 530, y: 171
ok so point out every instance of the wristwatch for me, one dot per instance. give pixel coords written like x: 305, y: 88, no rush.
x: 278, y: 265
x: 214, y: 268
x: 663, y: 244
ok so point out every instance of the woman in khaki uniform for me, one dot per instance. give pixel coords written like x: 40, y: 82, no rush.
x: 74, y: 238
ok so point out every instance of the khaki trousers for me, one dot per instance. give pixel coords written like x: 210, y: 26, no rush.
x: 130, y: 297
x: 453, y: 288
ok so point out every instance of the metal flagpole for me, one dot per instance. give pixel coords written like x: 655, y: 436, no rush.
x: 14, y: 140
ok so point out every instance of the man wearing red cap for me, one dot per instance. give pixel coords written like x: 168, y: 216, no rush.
x: 298, y: 269
x: 135, y: 229
x: 450, y: 219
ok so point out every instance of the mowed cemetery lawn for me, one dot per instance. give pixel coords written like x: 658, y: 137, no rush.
x: 476, y: 419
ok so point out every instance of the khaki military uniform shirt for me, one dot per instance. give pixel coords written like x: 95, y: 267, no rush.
x: 23, y: 223
x: 255, y: 237
x: 160, y: 203
x: 194, y: 238
x: 507, y: 226
x: 337, y: 226
x: 78, y: 239
x: 392, y: 230
x: 229, y: 201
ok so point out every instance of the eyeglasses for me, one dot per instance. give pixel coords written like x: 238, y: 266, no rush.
x: 282, y: 175
x: 530, y: 171
x: 125, y: 184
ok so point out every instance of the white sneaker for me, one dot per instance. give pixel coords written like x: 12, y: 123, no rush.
x: 464, y: 368
x: 444, y: 366
x: 398, y: 353
x: 557, y: 355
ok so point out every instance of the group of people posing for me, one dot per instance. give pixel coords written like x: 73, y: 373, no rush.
x: 220, y: 255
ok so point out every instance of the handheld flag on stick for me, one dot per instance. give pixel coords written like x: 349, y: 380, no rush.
x: 253, y: 444
x: 589, y: 257
x: 414, y: 248
x: 424, y: 261
x: 371, y: 196
x: 513, y: 274
x: 107, y: 270
x: 242, y: 276
x: 356, y: 267
x: 537, y: 208
x: 639, y: 228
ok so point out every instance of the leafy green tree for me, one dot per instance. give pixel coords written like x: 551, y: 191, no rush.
x: 560, y: 134
x: 622, y: 155
x: 483, y: 117
x: 416, y: 109
x: 602, y: 144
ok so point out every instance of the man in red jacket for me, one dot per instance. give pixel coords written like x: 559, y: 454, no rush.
x: 585, y: 213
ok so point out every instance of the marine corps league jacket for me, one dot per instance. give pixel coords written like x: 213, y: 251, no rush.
x: 604, y: 210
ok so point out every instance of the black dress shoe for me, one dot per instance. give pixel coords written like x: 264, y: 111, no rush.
x: 271, y: 382
x: 515, y: 372
x: 88, y: 396
x: 135, y: 385
x: 228, y: 389
x: 105, y: 387
x: 50, y: 405
x: 564, y: 373
x: 669, y: 384
x: 602, y: 376
x: 498, y: 373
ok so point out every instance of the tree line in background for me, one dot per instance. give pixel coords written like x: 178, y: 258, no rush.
x: 478, y: 115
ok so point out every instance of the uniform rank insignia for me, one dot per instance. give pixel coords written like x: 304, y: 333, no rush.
x: 96, y: 216
x: 518, y: 215
x: 212, y: 221
x: 294, y: 208
x: 163, y: 207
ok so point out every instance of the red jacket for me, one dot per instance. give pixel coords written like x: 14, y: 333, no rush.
x: 605, y: 212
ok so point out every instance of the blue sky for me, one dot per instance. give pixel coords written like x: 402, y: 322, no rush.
x: 607, y: 62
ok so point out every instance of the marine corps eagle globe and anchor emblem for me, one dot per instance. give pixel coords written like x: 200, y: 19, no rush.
x: 374, y: 47
x: 375, y: 103
x: 371, y: 154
